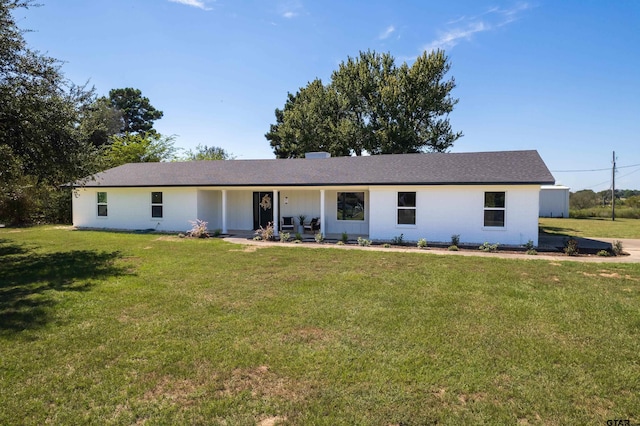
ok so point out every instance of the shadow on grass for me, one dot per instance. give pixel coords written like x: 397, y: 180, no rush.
x: 557, y: 230
x: 28, y: 280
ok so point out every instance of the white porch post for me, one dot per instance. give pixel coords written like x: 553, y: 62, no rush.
x: 276, y: 222
x: 224, y: 211
x: 323, y: 224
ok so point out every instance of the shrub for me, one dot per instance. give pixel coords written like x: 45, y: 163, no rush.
x: 422, y: 243
x: 386, y: 245
x: 319, y: 237
x: 529, y: 245
x: 267, y: 233
x: 571, y: 247
x: 284, y: 237
x: 532, y: 252
x: 604, y: 253
x: 455, y: 240
x: 217, y: 232
x: 453, y: 248
x: 489, y: 247
x: 198, y: 229
x: 363, y: 242
x: 617, y: 247
x: 298, y: 236
x: 340, y: 243
x: 399, y: 240
x: 344, y: 238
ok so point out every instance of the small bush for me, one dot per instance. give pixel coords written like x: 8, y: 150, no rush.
x: 399, y: 240
x: 455, y: 240
x: 422, y: 243
x: 319, y: 237
x: 217, y: 232
x: 529, y: 245
x: 532, y: 252
x: 489, y: 247
x: 298, y: 237
x: 340, y: 243
x: 344, y: 238
x: 386, y: 245
x: 453, y: 248
x: 257, y: 238
x: 284, y: 237
x: 198, y: 229
x: 604, y: 253
x: 571, y: 248
x: 266, y: 234
x: 617, y: 247
x: 363, y: 242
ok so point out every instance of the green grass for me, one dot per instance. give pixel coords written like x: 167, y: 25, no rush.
x: 109, y: 328
x: 592, y: 227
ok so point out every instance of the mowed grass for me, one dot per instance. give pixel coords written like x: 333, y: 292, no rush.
x: 109, y: 328
x: 592, y: 227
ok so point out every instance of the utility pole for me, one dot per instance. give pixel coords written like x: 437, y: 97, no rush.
x: 613, y: 188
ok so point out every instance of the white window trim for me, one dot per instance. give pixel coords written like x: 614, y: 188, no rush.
x: 415, y: 208
x: 155, y: 219
x: 504, y: 209
x: 98, y: 204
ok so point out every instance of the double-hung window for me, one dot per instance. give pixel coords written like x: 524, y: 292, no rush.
x: 102, y: 204
x: 494, y: 209
x: 350, y: 206
x: 156, y: 204
x: 406, y: 208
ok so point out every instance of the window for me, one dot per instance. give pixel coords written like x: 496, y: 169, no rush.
x: 156, y: 204
x: 102, y: 204
x: 406, y: 208
x: 350, y: 205
x: 494, y: 209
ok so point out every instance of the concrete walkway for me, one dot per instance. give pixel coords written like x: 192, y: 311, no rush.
x: 630, y: 246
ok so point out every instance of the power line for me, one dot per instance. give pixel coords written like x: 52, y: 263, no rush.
x: 593, y: 170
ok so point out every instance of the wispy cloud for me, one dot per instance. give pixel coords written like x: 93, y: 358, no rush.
x: 200, y: 4
x: 290, y: 9
x: 464, y: 28
x: 387, y: 32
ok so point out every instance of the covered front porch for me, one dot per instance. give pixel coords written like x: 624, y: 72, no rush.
x: 240, y: 211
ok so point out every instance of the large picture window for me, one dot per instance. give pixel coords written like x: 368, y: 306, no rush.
x: 156, y: 204
x: 102, y: 204
x: 350, y: 205
x: 494, y: 209
x: 406, y: 208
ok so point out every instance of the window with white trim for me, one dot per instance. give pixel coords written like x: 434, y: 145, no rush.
x: 102, y: 204
x: 406, y: 208
x: 350, y: 206
x: 494, y: 209
x: 156, y: 204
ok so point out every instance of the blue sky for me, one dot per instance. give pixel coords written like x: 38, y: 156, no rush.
x: 561, y: 77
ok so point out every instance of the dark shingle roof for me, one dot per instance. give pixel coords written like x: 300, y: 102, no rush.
x: 500, y: 167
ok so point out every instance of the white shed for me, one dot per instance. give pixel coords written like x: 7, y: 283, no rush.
x: 554, y: 201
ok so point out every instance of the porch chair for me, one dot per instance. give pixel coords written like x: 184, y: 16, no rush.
x: 313, y: 225
x: 287, y: 224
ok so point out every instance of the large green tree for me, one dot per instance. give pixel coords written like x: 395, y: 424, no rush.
x: 370, y: 105
x: 40, y: 112
x: 138, y: 114
x: 204, y: 152
x: 139, y: 148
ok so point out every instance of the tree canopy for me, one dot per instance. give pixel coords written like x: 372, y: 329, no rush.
x: 40, y: 112
x: 138, y: 114
x: 370, y: 105
x: 139, y: 148
x: 204, y: 152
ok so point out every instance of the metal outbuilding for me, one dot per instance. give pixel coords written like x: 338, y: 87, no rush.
x: 554, y: 201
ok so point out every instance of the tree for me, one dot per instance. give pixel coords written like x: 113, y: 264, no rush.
x: 583, y: 199
x: 138, y: 114
x: 40, y: 112
x: 204, y: 152
x: 140, y: 148
x: 99, y: 121
x: 370, y: 105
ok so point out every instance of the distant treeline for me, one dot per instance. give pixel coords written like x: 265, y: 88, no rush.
x: 587, y: 203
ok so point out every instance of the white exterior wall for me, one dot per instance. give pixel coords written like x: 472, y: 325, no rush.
x: 210, y: 208
x: 130, y: 208
x: 442, y: 211
x: 554, y: 201
x: 239, y: 209
x: 295, y: 202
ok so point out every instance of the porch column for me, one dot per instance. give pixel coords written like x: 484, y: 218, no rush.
x: 224, y: 211
x: 323, y: 224
x: 276, y: 222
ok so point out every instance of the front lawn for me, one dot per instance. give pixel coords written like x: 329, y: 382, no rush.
x: 111, y: 328
x: 592, y: 227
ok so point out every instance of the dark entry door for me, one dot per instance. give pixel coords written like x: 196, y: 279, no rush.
x: 262, y: 209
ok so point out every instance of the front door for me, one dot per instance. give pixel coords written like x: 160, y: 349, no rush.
x: 262, y: 209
